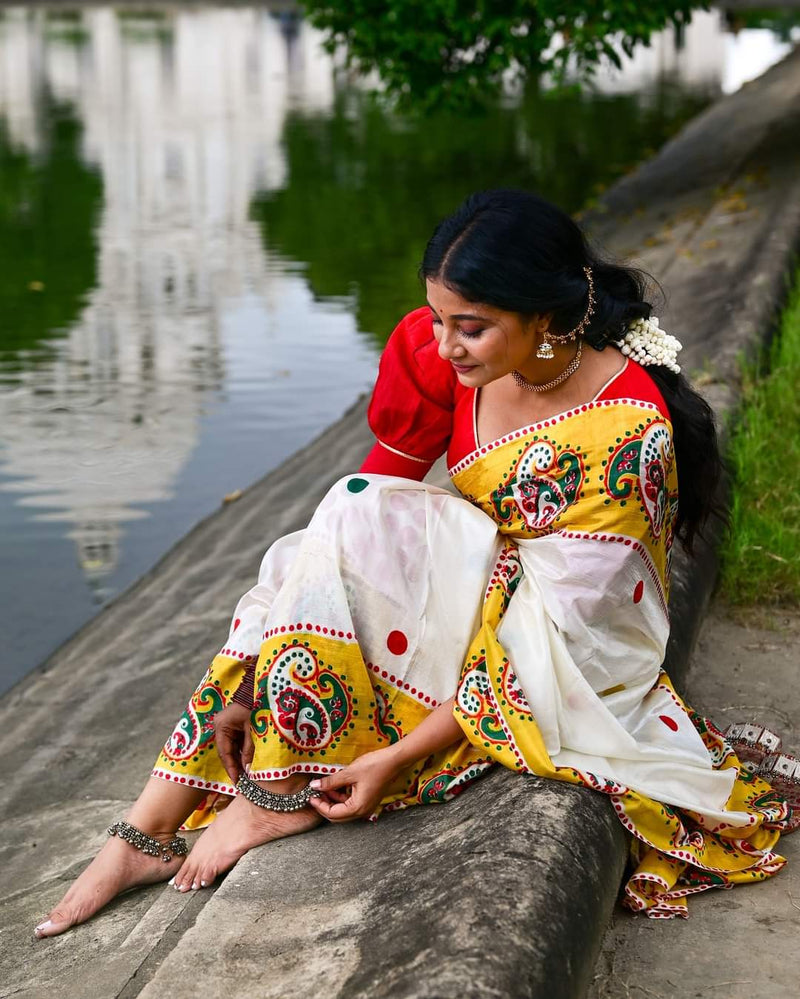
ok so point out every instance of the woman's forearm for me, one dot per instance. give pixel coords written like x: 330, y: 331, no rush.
x: 439, y: 730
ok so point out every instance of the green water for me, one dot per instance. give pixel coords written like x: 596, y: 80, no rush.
x: 365, y: 189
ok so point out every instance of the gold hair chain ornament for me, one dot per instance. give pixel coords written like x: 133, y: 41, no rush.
x: 544, y: 351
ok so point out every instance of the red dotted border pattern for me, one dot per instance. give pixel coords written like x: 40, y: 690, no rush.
x: 403, y: 685
x: 245, y: 657
x: 307, y: 629
x: 550, y: 422
x: 276, y: 774
x: 201, y: 785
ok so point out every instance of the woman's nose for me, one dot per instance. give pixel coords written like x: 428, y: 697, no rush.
x: 449, y: 346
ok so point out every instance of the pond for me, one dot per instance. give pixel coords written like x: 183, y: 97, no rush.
x: 206, y: 233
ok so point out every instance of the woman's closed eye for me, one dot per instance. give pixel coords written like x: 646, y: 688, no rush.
x: 460, y: 329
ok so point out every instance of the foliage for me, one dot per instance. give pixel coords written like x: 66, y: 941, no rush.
x: 433, y: 53
x: 761, y: 558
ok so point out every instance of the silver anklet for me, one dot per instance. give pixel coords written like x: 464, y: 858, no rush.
x: 176, y: 847
x: 274, y: 802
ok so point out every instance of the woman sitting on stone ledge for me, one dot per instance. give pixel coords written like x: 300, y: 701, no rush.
x: 410, y: 638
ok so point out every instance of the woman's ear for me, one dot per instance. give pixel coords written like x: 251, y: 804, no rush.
x: 545, y: 319
x: 539, y: 323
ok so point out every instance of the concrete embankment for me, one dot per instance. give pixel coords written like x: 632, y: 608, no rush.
x: 505, y: 891
x: 742, y: 669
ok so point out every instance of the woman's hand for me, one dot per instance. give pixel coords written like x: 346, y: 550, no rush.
x: 234, y: 739
x: 355, y: 791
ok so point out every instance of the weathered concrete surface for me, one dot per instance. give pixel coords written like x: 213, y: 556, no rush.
x: 411, y: 907
x: 86, y: 727
x: 740, y: 944
x: 484, y: 898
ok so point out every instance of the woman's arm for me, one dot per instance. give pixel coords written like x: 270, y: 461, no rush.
x: 355, y: 791
x: 382, y: 461
x: 438, y: 731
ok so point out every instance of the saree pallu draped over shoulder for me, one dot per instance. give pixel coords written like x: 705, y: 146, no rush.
x: 540, y: 600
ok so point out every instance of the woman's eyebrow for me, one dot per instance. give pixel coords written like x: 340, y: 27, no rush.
x: 459, y: 315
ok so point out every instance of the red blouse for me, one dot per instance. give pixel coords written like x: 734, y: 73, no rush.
x: 419, y: 409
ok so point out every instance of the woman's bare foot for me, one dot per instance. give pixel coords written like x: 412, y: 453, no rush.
x: 115, y: 869
x: 237, y: 829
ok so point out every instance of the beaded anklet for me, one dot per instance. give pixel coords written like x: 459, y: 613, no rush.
x: 274, y: 802
x: 176, y: 847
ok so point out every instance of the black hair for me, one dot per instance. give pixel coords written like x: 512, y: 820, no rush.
x: 518, y: 252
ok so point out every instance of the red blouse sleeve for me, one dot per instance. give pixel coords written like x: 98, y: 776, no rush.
x: 411, y: 412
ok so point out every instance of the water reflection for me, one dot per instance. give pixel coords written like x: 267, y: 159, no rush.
x: 49, y: 201
x: 199, y: 222
x: 183, y: 329
x: 363, y: 189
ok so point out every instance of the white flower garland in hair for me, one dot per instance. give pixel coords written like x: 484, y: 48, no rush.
x: 647, y: 344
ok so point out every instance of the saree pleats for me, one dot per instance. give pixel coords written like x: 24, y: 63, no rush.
x: 539, y: 602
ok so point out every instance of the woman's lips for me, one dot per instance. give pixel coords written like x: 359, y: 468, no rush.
x: 463, y: 368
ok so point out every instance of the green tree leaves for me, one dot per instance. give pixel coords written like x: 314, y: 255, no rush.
x: 445, y: 53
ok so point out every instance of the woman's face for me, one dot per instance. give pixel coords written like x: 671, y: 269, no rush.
x: 480, y: 341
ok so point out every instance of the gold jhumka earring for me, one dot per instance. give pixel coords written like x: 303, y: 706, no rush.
x: 544, y: 352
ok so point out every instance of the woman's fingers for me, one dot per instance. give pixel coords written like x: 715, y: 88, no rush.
x: 248, y: 748
x: 227, y: 753
x: 337, y: 795
x: 337, y: 811
x: 333, y: 782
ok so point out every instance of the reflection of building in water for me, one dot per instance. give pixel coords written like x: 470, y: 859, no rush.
x: 97, y: 544
x: 184, y: 123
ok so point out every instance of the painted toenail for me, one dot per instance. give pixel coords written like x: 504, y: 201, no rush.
x: 204, y: 884
x: 43, y: 926
x: 194, y: 886
x: 171, y: 881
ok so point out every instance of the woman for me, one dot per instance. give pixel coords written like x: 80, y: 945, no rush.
x: 408, y: 638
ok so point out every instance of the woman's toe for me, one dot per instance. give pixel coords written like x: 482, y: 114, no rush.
x: 58, y: 921
x: 183, y: 879
x: 208, y: 876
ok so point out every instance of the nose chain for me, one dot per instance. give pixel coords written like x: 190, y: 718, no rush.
x: 570, y: 369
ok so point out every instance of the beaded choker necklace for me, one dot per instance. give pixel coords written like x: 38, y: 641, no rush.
x: 570, y: 369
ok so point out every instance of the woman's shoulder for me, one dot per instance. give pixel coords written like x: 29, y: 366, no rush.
x: 411, y: 410
x: 413, y: 339
x: 412, y: 356
x: 634, y: 382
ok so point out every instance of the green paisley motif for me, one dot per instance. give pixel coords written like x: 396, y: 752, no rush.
x: 335, y: 700
x: 570, y: 481
x: 262, y: 713
x: 208, y: 701
x: 474, y: 699
x: 388, y: 728
x: 560, y: 488
x: 489, y: 726
x: 503, y: 503
x: 694, y: 878
x: 436, y: 788
x: 623, y: 469
x: 194, y: 729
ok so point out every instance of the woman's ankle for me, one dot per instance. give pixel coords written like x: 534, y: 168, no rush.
x: 151, y: 827
x: 285, y: 785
